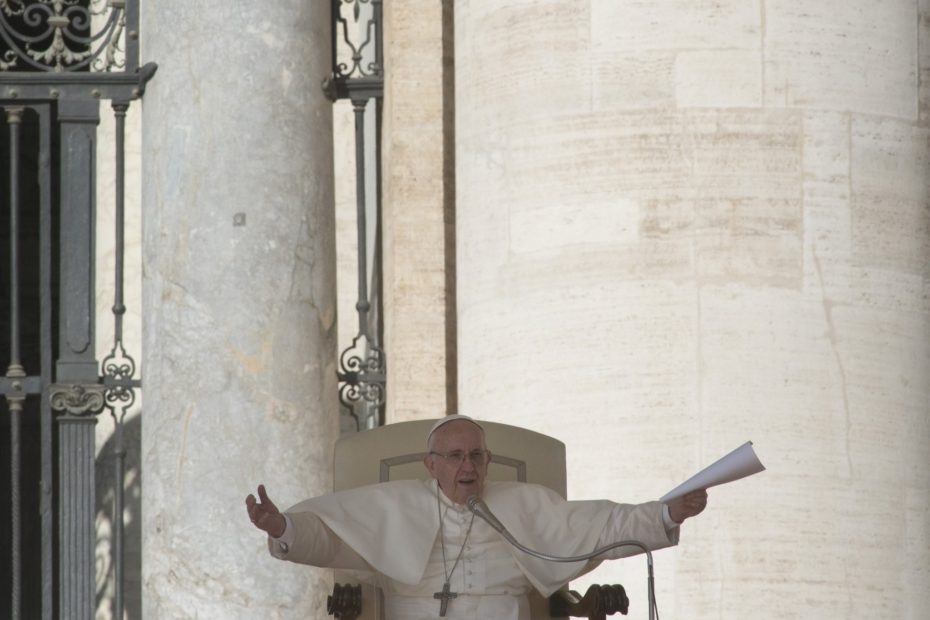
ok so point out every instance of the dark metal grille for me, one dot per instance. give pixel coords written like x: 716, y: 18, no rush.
x: 26, y: 345
x: 56, y: 35
x: 358, y: 75
x: 58, y: 60
x: 358, y: 57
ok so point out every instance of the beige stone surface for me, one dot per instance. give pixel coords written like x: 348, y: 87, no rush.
x: 346, y: 221
x: 718, y: 78
x: 673, y: 24
x: 417, y: 201
x: 890, y: 185
x: 923, y: 62
x: 715, y: 230
x: 842, y: 55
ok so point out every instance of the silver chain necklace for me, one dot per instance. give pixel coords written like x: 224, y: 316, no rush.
x: 446, y: 594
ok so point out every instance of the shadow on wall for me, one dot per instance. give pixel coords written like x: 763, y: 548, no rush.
x: 106, y: 552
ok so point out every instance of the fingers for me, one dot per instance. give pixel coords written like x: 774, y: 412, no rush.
x: 262, y: 512
x: 689, y: 505
x: 696, y: 498
x: 267, y: 504
x: 254, y: 509
x: 696, y: 501
x: 265, y: 516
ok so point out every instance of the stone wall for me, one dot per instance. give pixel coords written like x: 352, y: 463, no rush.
x: 419, y: 306
x: 684, y: 225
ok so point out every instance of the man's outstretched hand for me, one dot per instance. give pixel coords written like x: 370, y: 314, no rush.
x: 264, y: 514
x: 689, y: 505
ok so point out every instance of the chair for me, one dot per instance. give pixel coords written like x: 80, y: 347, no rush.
x: 395, y: 452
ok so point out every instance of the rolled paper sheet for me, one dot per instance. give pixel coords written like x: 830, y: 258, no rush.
x: 738, y: 464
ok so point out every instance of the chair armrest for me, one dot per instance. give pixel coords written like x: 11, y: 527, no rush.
x: 345, y: 602
x: 596, y: 604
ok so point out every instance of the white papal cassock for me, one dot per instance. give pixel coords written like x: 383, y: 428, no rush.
x: 389, y: 534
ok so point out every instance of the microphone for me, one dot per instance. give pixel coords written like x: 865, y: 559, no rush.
x: 479, y: 508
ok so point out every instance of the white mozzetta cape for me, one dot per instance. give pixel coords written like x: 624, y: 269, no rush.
x: 394, y: 526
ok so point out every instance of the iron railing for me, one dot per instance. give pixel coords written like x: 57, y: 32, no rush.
x: 58, y: 61
x: 358, y: 75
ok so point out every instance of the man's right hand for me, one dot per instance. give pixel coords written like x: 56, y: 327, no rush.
x: 264, y: 514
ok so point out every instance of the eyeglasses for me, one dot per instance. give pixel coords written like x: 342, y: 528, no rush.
x: 455, y: 458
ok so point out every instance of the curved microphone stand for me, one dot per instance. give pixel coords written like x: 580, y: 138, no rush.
x: 477, y: 506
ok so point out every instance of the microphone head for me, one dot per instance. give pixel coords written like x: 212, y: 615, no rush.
x: 477, y: 506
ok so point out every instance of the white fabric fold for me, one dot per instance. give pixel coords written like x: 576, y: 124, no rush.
x: 394, y: 526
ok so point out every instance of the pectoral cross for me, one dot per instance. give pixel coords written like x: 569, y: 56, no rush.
x: 445, y: 595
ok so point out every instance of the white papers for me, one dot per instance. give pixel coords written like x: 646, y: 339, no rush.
x: 738, y: 464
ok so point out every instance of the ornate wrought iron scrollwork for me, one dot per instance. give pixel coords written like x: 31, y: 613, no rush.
x: 361, y: 375
x: 119, y: 368
x: 358, y: 49
x: 358, y: 65
x: 63, y: 35
x: 598, y: 602
x: 77, y: 398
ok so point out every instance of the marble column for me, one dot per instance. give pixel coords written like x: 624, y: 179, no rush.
x: 239, y: 300
x: 685, y: 225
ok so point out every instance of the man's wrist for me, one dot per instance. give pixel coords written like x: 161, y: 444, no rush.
x: 282, y: 527
x: 668, y: 519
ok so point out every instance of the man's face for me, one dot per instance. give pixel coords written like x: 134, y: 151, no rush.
x: 458, y: 481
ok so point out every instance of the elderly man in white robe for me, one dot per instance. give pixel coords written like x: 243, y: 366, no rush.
x: 419, y: 542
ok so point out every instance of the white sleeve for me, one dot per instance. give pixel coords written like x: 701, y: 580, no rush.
x: 645, y: 523
x: 307, y: 540
x: 281, y: 545
x: 670, y: 523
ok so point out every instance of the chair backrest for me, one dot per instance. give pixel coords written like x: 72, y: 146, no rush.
x: 396, y: 451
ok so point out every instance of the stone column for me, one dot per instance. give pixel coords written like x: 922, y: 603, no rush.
x: 419, y: 190
x: 685, y: 225
x: 239, y: 338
